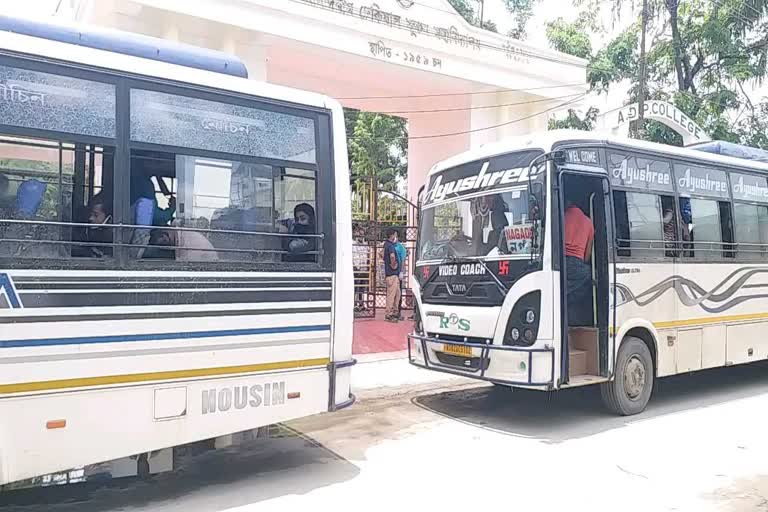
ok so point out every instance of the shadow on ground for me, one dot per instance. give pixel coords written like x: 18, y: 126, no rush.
x: 574, y: 413
x: 211, y: 481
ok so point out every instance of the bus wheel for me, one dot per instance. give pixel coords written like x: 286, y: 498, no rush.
x: 629, y: 391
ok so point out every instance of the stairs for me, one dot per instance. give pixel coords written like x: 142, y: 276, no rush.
x: 577, y: 362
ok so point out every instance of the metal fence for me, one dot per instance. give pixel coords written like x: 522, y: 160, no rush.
x: 374, y: 211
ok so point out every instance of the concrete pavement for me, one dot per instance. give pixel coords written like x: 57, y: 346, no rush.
x: 454, y: 444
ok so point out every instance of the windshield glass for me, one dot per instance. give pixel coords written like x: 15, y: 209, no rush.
x: 480, y: 209
x: 488, y: 225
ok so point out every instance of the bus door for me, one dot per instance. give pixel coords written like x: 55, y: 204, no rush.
x: 585, y: 277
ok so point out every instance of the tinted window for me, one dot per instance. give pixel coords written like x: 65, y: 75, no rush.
x: 638, y: 223
x: 204, y: 209
x: 43, y: 101
x: 751, y: 230
x: 174, y: 120
x: 44, y: 183
x: 703, y: 229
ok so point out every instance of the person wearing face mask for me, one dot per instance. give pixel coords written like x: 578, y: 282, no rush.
x: 303, y: 224
x: 99, y: 214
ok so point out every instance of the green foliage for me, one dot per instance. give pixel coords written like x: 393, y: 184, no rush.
x: 574, y: 122
x: 522, y: 10
x: 569, y: 37
x: 489, y: 25
x: 701, y: 56
x: 377, y: 146
x: 464, y: 9
x: 617, y: 61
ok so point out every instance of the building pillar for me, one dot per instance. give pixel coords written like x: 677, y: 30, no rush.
x: 506, y: 114
x: 423, y: 153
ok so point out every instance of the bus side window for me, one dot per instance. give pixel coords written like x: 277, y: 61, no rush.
x: 751, y: 230
x: 639, y: 224
x: 710, y: 228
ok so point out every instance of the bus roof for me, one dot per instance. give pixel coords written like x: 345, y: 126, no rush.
x: 131, y: 63
x: 717, y: 153
x: 127, y: 43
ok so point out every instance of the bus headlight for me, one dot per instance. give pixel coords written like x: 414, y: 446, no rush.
x: 523, y: 323
x: 530, y: 316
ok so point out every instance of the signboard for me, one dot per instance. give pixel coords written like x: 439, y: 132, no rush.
x: 630, y: 171
x: 692, y: 180
x: 519, y: 238
x: 481, y: 176
x: 589, y: 156
x: 663, y: 112
x: 748, y: 187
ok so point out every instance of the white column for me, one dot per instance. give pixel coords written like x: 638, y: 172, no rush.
x: 423, y: 153
x: 255, y: 57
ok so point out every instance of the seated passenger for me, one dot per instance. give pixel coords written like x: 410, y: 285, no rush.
x: 190, y: 245
x: 99, y: 213
x: 578, y: 237
x: 304, y: 224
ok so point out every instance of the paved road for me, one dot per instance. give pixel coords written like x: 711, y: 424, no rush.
x: 700, y: 446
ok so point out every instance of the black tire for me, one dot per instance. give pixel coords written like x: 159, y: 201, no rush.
x: 629, y: 391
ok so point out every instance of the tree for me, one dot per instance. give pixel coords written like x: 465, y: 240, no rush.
x: 522, y: 10
x: 702, y: 56
x: 569, y: 37
x: 464, y: 9
x: 377, y: 147
x: 574, y: 122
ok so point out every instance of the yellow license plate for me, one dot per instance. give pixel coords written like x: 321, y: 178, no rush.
x: 457, y: 350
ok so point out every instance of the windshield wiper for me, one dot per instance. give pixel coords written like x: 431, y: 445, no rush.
x: 455, y: 259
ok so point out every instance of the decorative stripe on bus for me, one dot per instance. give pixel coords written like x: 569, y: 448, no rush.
x: 32, y: 317
x: 187, y: 349
x: 710, y: 320
x: 164, y: 336
x: 107, y: 380
x: 695, y: 322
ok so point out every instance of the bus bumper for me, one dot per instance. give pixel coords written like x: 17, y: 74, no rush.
x: 511, y: 366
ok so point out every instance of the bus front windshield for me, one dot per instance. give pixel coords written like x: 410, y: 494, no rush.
x: 494, y: 224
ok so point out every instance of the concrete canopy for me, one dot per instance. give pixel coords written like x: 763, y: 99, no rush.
x: 459, y: 86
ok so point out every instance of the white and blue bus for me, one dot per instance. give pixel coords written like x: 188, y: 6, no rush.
x: 174, y: 240
x: 674, y: 281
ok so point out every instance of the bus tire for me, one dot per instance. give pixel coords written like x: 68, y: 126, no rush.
x: 629, y: 391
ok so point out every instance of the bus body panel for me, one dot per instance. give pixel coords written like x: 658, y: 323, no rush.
x: 100, y: 364
x: 694, y: 312
x: 105, y: 424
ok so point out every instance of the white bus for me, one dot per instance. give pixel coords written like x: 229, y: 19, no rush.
x: 675, y: 276
x: 174, y: 246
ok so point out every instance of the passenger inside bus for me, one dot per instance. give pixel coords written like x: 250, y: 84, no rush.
x: 188, y: 245
x: 303, y: 224
x: 99, y: 214
x: 488, y: 222
x: 578, y: 237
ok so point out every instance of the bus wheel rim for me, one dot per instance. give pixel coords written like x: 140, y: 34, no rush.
x: 634, y: 377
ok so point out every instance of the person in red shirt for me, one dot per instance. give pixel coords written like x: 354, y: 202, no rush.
x: 578, y: 236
